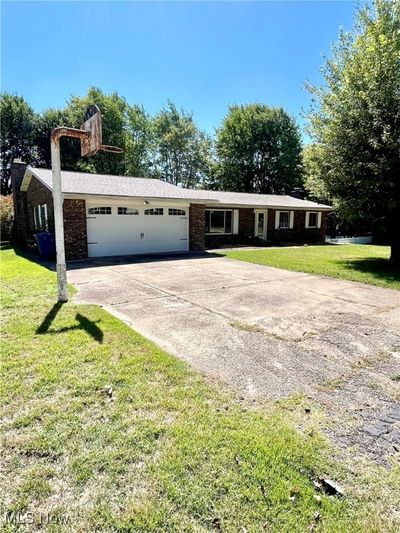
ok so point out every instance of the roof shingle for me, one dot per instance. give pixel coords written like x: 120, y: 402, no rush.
x: 107, y: 185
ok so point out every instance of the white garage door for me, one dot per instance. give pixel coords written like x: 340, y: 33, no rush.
x: 131, y: 229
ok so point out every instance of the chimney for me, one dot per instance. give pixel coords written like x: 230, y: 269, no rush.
x: 17, y: 171
x: 298, y: 192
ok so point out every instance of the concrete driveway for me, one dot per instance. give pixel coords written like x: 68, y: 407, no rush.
x: 267, y: 332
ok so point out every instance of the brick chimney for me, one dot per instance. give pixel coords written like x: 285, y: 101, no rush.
x: 17, y: 172
x: 298, y: 192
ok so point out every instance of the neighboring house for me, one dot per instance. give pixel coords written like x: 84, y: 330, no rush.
x: 116, y: 215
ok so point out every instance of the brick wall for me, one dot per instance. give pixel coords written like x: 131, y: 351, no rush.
x: 299, y: 234
x: 75, y: 231
x: 38, y: 194
x: 197, y: 226
x: 245, y: 235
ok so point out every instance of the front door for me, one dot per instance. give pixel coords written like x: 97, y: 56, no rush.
x: 261, y: 221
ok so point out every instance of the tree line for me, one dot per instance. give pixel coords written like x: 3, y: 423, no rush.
x: 256, y: 149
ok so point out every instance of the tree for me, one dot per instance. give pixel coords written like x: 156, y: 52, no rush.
x: 182, y: 151
x: 259, y: 150
x: 355, y: 120
x: 126, y: 126
x: 139, y: 142
x: 18, y: 122
x: 315, y: 169
x: 113, y: 108
x: 45, y: 123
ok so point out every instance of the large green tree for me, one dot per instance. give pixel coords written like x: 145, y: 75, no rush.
x: 315, y: 168
x: 45, y: 123
x: 355, y: 121
x: 259, y: 150
x: 139, y: 142
x: 114, y: 109
x: 124, y: 125
x: 18, y: 123
x: 182, y: 150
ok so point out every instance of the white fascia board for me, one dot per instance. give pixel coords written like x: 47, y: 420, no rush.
x: 271, y: 206
x: 207, y: 203
x: 117, y: 198
x: 139, y: 200
x: 29, y: 173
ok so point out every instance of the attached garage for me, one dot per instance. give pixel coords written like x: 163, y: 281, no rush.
x: 124, y: 228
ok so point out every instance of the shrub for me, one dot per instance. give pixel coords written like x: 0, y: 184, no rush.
x: 6, y: 217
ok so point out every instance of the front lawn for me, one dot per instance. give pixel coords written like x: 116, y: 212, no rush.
x: 356, y: 262
x: 104, y: 431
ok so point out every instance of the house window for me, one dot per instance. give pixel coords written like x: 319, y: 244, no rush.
x: 176, y: 212
x: 127, y: 211
x: 218, y: 221
x: 102, y: 210
x: 283, y: 219
x: 154, y: 211
x: 40, y: 217
x: 311, y: 219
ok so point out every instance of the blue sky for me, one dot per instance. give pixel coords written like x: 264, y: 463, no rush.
x: 203, y: 56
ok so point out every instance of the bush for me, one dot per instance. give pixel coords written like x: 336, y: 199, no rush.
x: 6, y: 217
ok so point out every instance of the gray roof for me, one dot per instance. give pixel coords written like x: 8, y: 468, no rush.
x: 106, y: 185
x: 254, y: 200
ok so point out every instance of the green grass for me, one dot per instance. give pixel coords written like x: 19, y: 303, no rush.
x: 355, y: 262
x: 168, y: 451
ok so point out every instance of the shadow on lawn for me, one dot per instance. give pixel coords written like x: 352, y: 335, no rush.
x: 380, y: 269
x: 83, y: 323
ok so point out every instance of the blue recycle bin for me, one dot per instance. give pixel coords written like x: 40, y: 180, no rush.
x: 46, y: 244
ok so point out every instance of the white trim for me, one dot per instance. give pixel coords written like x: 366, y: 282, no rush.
x: 317, y: 222
x: 235, y: 221
x: 307, y: 222
x: 224, y: 210
x: 317, y: 207
x: 265, y: 229
x: 291, y: 219
x: 128, y: 201
x: 35, y: 221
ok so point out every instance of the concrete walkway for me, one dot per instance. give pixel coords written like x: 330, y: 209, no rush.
x: 266, y: 332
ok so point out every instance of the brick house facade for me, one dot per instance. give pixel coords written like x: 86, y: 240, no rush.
x: 75, y: 234
x: 37, y: 192
x: 299, y: 234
